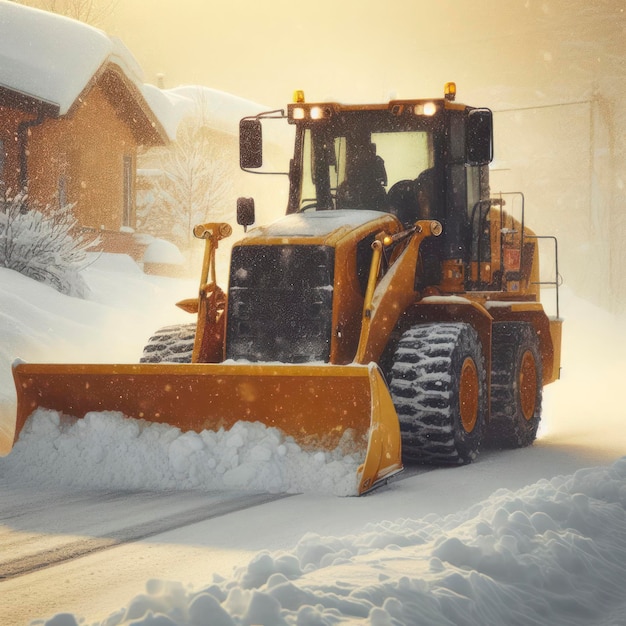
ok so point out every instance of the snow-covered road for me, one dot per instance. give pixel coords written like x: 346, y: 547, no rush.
x: 201, y: 535
x: 112, y: 550
x: 54, y: 527
x: 66, y: 535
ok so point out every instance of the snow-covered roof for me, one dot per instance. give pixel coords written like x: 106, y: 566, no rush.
x: 223, y: 110
x: 51, y: 59
x: 46, y: 56
x: 168, y: 107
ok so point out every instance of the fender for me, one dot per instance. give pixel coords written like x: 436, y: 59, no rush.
x: 438, y: 309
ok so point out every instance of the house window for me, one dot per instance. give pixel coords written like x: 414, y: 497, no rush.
x: 62, y: 191
x: 127, y: 217
x: 2, y: 159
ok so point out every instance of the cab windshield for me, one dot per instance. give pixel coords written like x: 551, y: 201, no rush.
x: 359, y: 162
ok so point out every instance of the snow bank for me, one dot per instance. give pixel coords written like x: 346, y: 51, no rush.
x: 552, y: 553
x: 124, y: 307
x: 160, y: 251
x: 106, y: 450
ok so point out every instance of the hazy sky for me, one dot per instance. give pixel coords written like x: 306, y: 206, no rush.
x: 553, y: 71
x: 352, y: 50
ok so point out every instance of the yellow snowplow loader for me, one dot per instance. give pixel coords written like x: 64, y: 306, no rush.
x: 393, y: 311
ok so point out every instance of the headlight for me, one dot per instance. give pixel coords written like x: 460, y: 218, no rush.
x: 425, y: 108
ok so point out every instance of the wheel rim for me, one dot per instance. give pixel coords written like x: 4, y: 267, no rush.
x: 468, y: 395
x: 528, y: 385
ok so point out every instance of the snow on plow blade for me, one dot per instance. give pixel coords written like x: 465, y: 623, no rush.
x: 315, y: 405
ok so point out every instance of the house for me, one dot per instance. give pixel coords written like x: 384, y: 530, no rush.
x: 73, y: 112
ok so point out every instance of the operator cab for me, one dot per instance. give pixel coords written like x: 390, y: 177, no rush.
x: 415, y: 159
x: 365, y: 158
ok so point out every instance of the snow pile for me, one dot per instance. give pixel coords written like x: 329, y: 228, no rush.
x: 123, y: 308
x: 551, y: 553
x: 106, y: 450
x: 160, y: 251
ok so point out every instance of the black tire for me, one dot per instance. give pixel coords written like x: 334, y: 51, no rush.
x: 439, y: 389
x: 516, y: 385
x: 172, y: 344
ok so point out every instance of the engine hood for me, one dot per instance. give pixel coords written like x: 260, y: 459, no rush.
x: 320, y: 227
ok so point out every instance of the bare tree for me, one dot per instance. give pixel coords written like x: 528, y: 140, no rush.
x: 92, y: 12
x: 195, y: 184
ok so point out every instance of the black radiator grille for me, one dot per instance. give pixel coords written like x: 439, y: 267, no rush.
x: 280, y: 303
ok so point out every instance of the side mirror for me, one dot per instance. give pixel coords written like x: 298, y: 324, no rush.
x: 245, y: 212
x: 250, y: 143
x: 479, y: 137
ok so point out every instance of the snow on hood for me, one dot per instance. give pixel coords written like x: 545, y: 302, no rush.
x: 315, y: 223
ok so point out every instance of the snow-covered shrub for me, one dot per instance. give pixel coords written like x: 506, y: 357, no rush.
x: 44, y: 246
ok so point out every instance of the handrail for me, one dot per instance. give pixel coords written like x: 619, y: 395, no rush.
x: 556, y: 282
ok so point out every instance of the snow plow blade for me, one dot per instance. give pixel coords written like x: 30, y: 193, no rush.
x: 316, y: 405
